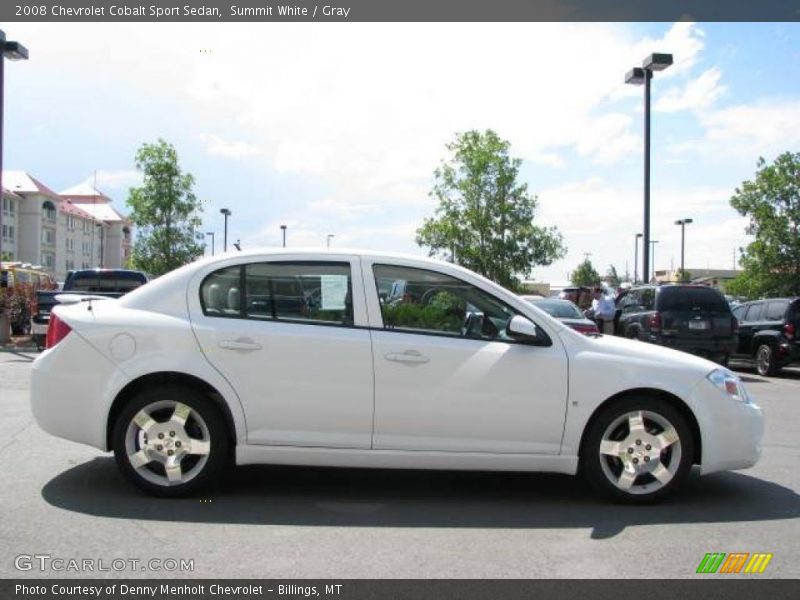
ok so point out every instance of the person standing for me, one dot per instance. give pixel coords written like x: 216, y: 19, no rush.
x: 603, y: 310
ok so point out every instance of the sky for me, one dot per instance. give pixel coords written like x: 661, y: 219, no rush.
x: 337, y: 128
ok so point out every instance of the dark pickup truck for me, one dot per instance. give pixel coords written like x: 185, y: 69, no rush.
x: 108, y: 283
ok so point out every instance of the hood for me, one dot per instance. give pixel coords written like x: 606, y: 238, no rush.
x: 635, y: 349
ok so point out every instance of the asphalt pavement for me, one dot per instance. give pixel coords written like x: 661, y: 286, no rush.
x: 66, y: 501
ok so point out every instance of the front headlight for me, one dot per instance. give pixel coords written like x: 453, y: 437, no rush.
x: 729, y: 384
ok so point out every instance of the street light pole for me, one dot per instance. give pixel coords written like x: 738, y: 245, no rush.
x: 638, y: 76
x: 330, y: 236
x: 10, y: 51
x: 636, y: 257
x: 227, y: 214
x: 653, y: 254
x: 211, y: 233
x: 283, y: 229
x: 683, y: 223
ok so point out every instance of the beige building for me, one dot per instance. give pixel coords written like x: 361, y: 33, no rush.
x: 78, y: 229
x: 715, y: 277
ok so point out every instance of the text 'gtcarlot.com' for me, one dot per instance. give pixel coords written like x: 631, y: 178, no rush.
x: 47, y: 562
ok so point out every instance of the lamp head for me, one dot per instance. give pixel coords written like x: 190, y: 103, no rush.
x: 15, y: 51
x: 657, y: 62
x: 635, y: 76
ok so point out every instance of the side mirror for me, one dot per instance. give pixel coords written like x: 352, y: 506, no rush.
x: 520, y: 328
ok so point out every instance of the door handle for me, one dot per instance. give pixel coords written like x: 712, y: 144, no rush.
x: 242, y: 344
x: 408, y: 357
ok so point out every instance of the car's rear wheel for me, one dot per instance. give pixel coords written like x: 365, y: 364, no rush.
x: 637, y: 450
x: 765, y: 360
x: 170, y: 441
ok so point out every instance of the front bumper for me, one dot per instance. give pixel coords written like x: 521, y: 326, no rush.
x: 731, y: 430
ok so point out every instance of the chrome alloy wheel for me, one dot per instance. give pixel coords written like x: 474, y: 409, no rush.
x: 167, y: 443
x: 764, y: 359
x: 640, y: 452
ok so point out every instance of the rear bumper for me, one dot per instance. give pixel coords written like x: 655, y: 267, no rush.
x: 71, y: 393
x: 699, y: 347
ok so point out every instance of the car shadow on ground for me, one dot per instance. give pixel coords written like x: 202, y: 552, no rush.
x: 304, y: 496
x: 749, y: 374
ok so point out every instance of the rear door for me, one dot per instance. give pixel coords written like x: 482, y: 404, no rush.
x: 291, y: 338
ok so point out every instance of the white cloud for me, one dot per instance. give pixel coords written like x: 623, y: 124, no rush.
x: 217, y: 146
x: 698, y: 93
x: 745, y: 131
x: 602, y: 218
x: 608, y: 138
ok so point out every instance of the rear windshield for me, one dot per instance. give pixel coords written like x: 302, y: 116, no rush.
x: 560, y: 309
x: 106, y: 281
x: 692, y: 298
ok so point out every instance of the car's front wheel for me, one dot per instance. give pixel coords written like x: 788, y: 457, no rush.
x: 637, y: 450
x: 170, y: 441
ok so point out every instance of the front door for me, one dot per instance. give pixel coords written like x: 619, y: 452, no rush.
x: 448, y: 378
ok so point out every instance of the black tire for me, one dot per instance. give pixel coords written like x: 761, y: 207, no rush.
x: 766, y: 365
x: 203, y: 474
x: 39, y: 340
x: 677, y: 459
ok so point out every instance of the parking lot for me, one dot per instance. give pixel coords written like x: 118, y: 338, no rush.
x: 68, y: 501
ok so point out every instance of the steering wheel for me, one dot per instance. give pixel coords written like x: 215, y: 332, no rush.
x: 428, y: 296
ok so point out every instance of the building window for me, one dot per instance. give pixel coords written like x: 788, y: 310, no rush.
x: 49, y: 210
x: 48, y: 237
x: 8, y: 206
x: 48, y: 260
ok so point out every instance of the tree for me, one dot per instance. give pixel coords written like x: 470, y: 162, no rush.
x: 612, y: 277
x: 585, y: 274
x: 165, y: 210
x: 484, y: 220
x: 771, y: 262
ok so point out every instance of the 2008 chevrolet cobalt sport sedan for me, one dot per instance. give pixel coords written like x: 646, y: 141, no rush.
x: 362, y: 359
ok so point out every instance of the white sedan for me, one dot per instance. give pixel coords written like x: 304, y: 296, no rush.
x: 307, y: 358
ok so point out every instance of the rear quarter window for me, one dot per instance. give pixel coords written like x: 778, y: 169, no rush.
x: 776, y: 310
x: 692, y: 299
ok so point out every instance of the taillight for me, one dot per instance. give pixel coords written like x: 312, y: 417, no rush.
x: 735, y: 325
x: 789, y: 329
x: 586, y: 329
x: 57, y: 330
x: 654, y: 322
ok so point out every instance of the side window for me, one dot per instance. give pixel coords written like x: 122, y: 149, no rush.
x: 304, y: 292
x: 754, y: 312
x: 436, y: 303
x: 312, y: 292
x: 629, y: 301
x: 776, y: 310
x: 738, y: 312
x: 648, y: 298
x: 217, y: 292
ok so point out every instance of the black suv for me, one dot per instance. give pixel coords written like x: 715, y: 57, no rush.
x: 693, y: 318
x: 768, y: 333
